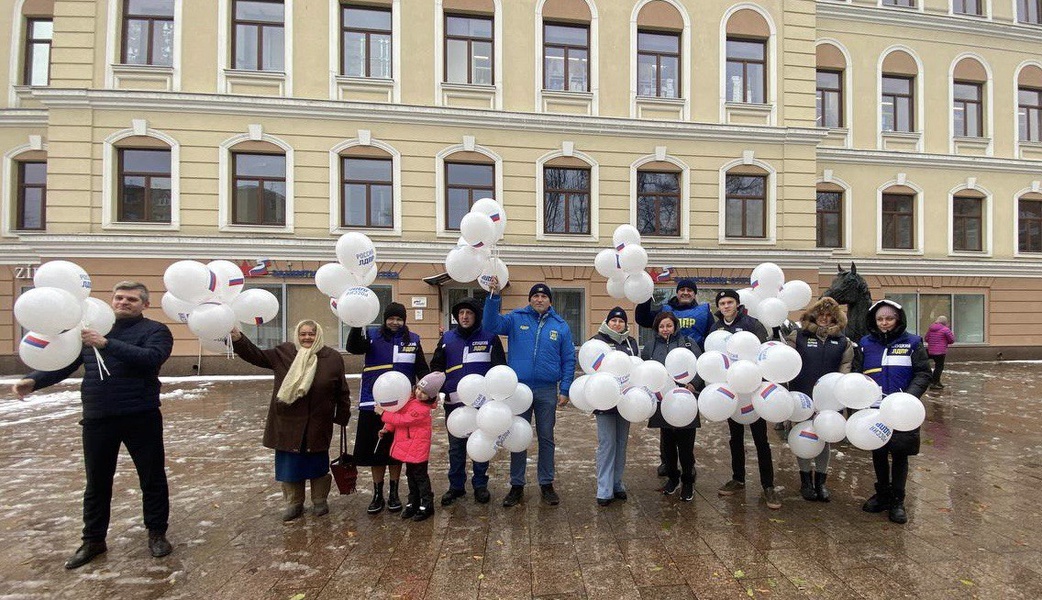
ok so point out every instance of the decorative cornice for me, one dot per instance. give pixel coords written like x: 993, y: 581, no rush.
x: 905, y: 19
x: 938, y: 267
x: 921, y: 159
x: 20, y: 117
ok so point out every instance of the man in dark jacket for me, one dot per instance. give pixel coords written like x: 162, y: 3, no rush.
x: 465, y: 350
x: 122, y: 408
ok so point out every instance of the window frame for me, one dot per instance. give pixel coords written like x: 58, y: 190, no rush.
x: 344, y: 29
x: 911, y: 214
x: 981, y: 7
x: 566, y: 48
x: 964, y: 103
x: 260, y: 26
x: 960, y: 221
x: 121, y: 175
x: 1021, y: 17
x: 471, y: 189
x: 344, y: 181
x: 29, y: 50
x: 657, y: 197
x: 658, y: 63
x: 819, y: 215
x: 912, y: 82
x: 567, y: 194
x: 446, y: 36
x: 819, y: 93
x: 152, y: 20
x: 233, y: 182
x: 1037, y: 240
x: 765, y: 63
x: 577, y: 337
x: 20, y: 188
x: 1035, y: 109
x: 909, y: 4
x: 745, y: 200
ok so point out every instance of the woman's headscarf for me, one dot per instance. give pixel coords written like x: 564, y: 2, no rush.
x: 301, y: 371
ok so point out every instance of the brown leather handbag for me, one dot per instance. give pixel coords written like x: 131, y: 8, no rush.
x: 343, y: 467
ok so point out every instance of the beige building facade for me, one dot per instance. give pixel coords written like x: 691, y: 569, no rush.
x: 905, y: 139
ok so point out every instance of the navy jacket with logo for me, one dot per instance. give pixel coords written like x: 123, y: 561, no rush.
x: 384, y: 351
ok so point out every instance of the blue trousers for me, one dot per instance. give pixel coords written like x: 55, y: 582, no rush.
x: 458, y: 460
x: 544, y: 407
x: 612, y: 436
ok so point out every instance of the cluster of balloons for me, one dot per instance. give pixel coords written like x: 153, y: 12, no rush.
x: 472, y: 257
x: 623, y: 266
x: 489, y: 417
x: 347, y: 281
x: 209, y: 299
x: 769, y: 298
x: 54, y: 312
x: 868, y: 428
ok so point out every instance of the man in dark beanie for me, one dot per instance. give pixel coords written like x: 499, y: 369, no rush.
x: 466, y: 349
x: 386, y: 347
x: 543, y: 356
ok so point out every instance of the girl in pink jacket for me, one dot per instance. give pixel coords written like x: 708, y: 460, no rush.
x: 412, y: 443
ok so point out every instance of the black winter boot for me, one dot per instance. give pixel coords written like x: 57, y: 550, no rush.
x: 879, y: 501
x: 897, y: 508
x: 426, y: 509
x: 820, y: 491
x: 377, y: 504
x: 807, y: 486
x: 393, y: 503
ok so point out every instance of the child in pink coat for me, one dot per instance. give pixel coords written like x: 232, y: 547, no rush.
x: 412, y: 443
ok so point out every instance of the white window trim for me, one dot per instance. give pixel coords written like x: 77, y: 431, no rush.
x: 224, y: 49
x: 440, y: 184
x: 771, y: 208
x: 7, y: 198
x: 540, y: 199
x: 17, y: 54
x: 224, y: 196
x: 685, y: 61
x: 497, y: 52
x: 1016, y: 16
x: 1016, y: 94
x: 987, y: 98
x: 109, y: 161
x: 986, y: 226
x: 918, y: 216
x: 848, y: 87
x: 918, y: 100
x: 847, y: 213
x: 987, y: 11
x: 1033, y: 188
x: 336, y: 190
x: 594, y: 60
x: 335, y: 49
x: 114, y: 45
x: 771, y: 93
x: 685, y: 198
x: 919, y: 6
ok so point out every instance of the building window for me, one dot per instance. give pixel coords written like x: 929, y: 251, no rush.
x: 1029, y: 225
x: 967, y: 223
x: 898, y: 103
x: 143, y: 195
x: 968, y: 7
x: 366, y: 39
x: 148, y: 32
x: 569, y: 304
x: 898, y: 222
x: 566, y: 57
x: 830, y: 98
x: 658, y: 64
x: 1029, y: 11
x: 965, y: 313
x: 31, y: 195
x: 368, y: 197
x: 38, y: 36
x: 1029, y: 114
x: 259, y: 189
x: 466, y: 183
x: 746, y: 206
x: 967, y: 108
x: 468, y: 50
x: 746, y: 71
x: 658, y: 203
x: 566, y: 201
x: 830, y: 219
x: 900, y: 3
x: 259, y: 35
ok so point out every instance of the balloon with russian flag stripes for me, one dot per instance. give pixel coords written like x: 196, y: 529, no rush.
x: 679, y: 407
x: 43, y: 352
x: 633, y: 258
x: 255, y: 307
x: 717, y: 402
x: 717, y: 340
x: 650, y: 374
x: 639, y: 287
x: 625, y: 235
x: 712, y: 366
x: 495, y: 212
x: 63, y: 275
x: 766, y: 280
x: 773, y: 402
x: 607, y: 264
x: 779, y: 362
x: 591, y: 355
x: 636, y: 404
x: 391, y: 390
x: 230, y: 280
x: 745, y: 413
x: 682, y: 365
x: 190, y: 281
x: 804, y: 440
x: 477, y: 228
x: 48, y: 310
x: 743, y: 345
x: 744, y: 376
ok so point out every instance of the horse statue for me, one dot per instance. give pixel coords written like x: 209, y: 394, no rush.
x: 851, y: 290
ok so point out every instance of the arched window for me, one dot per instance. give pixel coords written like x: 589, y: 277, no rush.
x: 466, y: 173
x: 25, y: 194
x: 661, y: 197
x: 900, y: 208
x: 970, y: 211
x: 830, y: 93
x: 1029, y: 103
x: 1029, y: 222
x: 367, y: 184
x: 567, y: 196
x: 832, y: 203
x: 969, y: 92
x: 746, y: 74
x: 36, y: 31
x: 747, y: 202
x: 660, y: 43
x: 140, y: 180
x: 898, y: 92
x: 566, y: 45
x: 256, y: 187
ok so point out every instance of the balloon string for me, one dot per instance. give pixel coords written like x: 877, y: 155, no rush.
x: 228, y: 350
x: 102, y: 368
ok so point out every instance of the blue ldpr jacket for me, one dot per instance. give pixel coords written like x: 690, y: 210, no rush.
x: 540, y: 346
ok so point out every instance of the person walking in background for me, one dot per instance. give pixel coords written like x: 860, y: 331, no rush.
x: 387, y: 347
x: 543, y: 356
x: 309, y: 396
x: 467, y: 349
x: 938, y: 337
x: 613, y: 431
x: 120, y: 409
x: 823, y: 349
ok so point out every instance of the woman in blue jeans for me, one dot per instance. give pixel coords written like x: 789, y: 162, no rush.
x: 612, y: 430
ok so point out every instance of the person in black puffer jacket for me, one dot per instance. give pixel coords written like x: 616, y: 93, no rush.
x: 613, y: 431
x: 122, y: 408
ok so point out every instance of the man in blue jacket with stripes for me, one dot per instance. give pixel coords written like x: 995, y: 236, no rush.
x: 541, y: 352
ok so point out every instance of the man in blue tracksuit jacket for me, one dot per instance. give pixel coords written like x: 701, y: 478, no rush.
x: 541, y: 352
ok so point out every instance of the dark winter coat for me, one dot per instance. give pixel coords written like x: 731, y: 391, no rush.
x: 380, y: 346
x: 308, y: 422
x: 696, y: 320
x: 448, y: 354
x: 743, y: 322
x: 822, y: 350
x: 657, y: 349
x: 617, y: 341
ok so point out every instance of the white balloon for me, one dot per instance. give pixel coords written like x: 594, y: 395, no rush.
x: 521, y: 399
x: 745, y: 413
x: 713, y: 365
x: 358, y: 306
x: 857, y: 390
x: 367, y: 278
x: 636, y: 405
x: 190, y: 281
x: 617, y: 363
x: 638, y: 287
x: 867, y: 431
x: 617, y: 287
x: 494, y: 418
x: 577, y: 394
x: 773, y: 403
x: 679, y: 407
x: 591, y: 355
x: 230, y: 279
x: 391, y: 390
x: 717, y: 340
x: 333, y: 279
x: 803, y: 406
x: 743, y: 345
x: 500, y: 382
x: 902, y: 411
x: 625, y: 235
x: 779, y: 362
x: 255, y: 306
x: 98, y: 315
x: 477, y: 228
x: 830, y: 426
x: 356, y: 252
x: 464, y: 265
x: 63, y: 275
x: 493, y: 268
x: 744, y: 376
x: 176, y: 308
x: 43, y: 352
x: 607, y: 263
x: 772, y: 312
x: 650, y: 374
x: 462, y: 421
x: 48, y: 310
x: 824, y: 393
x: 519, y: 436
x: 804, y: 440
x: 220, y: 345
x: 471, y: 388
x: 211, y: 320
x: 717, y: 402
x: 495, y: 211
x: 633, y: 258
x: 795, y: 294
x: 747, y: 298
x: 682, y: 365
x: 766, y: 279
x: 481, y: 447
x: 602, y: 391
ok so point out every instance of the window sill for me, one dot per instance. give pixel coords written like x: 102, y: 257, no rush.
x: 662, y: 109
x: 1029, y: 150
x: 129, y: 226
x: 652, y: 241
x: 973, y: 146
x: 837, y: 137
x: 970, y: 254
x: 254, y: 83
x: 566, y: 237
x: 556, y: 101
x: 838, y: 251
x: 901, y: 141
x: 747, y: 241
x: 142, y: 77
x: 910, y: 9
x: 895, y: 252
x: 369, y: 231
x: 1028, y: 255
x: 364, y: 89
x: 748, y: 113
x: 236, y: 228
x: 468, y: 95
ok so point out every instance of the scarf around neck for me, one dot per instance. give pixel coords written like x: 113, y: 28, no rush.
x: 301, y: 373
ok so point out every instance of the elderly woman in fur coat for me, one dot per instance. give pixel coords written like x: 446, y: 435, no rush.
x: 824, y: 349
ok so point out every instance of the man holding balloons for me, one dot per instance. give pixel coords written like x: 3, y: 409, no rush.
x: 543, y: 356
x: 120, y: 406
